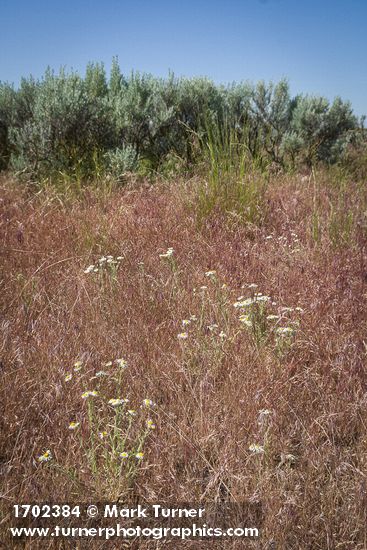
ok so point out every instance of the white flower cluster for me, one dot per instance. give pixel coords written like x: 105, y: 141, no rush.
x: 246, y: 302
x: 167, y: 254
x: 105, y: 262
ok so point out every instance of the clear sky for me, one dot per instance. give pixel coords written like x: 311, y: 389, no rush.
x: 319, y: 45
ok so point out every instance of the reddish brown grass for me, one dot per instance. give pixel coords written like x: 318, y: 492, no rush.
x: 209, y: 391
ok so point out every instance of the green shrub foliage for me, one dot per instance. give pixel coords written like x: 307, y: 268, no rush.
x: 67, y: 124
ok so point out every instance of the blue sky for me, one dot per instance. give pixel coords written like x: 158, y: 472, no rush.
x: 319, y: 45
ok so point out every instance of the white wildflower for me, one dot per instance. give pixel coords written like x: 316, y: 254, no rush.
x: 167, y: 254
x: 117, y: 402
x: 89, y: 393
x: 243, y: 303
x: 148, y: 403
x: 74, y: 425
x: 122, y: 363
x: 256, y: 449
x: 101, y: 373
x: 46, y: 457
x: 260, y: 298
x: 245, y: 319
x: 284, y: 331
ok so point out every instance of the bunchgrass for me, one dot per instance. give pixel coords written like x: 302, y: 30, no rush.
x: 233, y: 184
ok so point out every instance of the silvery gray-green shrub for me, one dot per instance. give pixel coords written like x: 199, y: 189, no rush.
x: 121, y: 161
x: 84, y: 125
